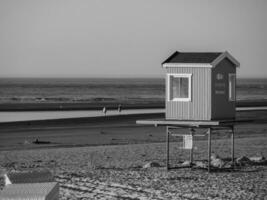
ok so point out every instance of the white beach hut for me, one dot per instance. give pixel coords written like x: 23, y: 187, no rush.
x: 31, y: 191
x: 28, y: 177
x: 200, y: 86
x: 200, y: 94
x: 32, y: 185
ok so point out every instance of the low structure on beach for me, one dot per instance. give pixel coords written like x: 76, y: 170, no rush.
x: 200, y: 85
x: 30, y: 185
x: 28, y: 177
x: 31, y: 191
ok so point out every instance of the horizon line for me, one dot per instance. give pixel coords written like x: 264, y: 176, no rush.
x: 101, y: 77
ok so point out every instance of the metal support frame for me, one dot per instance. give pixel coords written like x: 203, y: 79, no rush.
x: 191, y: 130
x: 209, y: 147
x: 209, y: 133
x: 233, y: 146
x: 167, y: 147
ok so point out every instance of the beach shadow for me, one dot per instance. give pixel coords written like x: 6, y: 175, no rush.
x: 229, y: 170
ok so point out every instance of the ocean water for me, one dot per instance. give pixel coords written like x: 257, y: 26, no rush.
x: 71, y: 90
x: 80, y: 90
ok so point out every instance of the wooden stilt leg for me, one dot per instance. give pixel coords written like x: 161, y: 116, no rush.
x: 209, y: 148
x: 191, y: 150
x: 233, y: 146
x: 167, y: 148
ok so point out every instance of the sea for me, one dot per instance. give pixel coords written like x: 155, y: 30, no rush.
x: 116, y: 90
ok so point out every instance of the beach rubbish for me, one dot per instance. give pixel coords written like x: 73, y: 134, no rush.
x: 201, y: 164
x: 214, y: 156
x: 7, y: 180
x: 257, y: 159
x: 26, y: 142
x: 217, y: 162
x: 151, y: 164
x: 186, y: 163
x: 243, y: 160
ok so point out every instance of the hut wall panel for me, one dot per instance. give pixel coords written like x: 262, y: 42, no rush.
x: 222, y: 108
x: 199, y: 108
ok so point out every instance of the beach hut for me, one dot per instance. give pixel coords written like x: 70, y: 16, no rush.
x: 200, y: 94
x: 200, y: 85
x: 40, y: 176
x: 31, y: 191
x: 30, y: 185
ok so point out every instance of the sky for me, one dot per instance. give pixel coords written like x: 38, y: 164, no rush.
x: 126, y: 38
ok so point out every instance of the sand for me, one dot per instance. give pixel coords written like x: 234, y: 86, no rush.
x: 103, y: 159
x: 115, y: 171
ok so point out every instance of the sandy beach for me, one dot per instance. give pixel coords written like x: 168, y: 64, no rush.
x: 102, y: 158
x: 115, y: 172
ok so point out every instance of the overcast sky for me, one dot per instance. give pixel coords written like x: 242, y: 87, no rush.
x: 112, y: 38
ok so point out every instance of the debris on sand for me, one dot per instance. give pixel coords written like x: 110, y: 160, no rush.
x: 186, y: 163
x: 41, y: 142
x: 201, y: 164
x: 26, y: 142
x: 219, y: 163
x: 151, y: 164
x: 257, y: 159
x: 216, y: 161
x: 214, y: 156
x: 243, y: 160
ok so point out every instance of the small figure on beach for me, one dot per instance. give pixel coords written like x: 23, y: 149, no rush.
x: 119, y: 108
x: 37, y: 141
x: 104, y: 110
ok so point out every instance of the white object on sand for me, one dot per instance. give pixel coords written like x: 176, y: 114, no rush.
x: 257, y: 159
x: 217, y: 163
x: 7, y: 180
x: 151, y: 164
x: 104, y: 110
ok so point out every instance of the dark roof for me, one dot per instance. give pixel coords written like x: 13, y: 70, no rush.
x: 30, y: 177
x: 192, y: 57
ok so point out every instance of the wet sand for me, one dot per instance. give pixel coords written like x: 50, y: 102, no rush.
x: 145, y: 104
x: 16, y: 116
x: 107, y: 130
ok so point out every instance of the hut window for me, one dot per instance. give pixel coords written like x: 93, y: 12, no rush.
x: 232, y: 82
x: 179, y: 87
